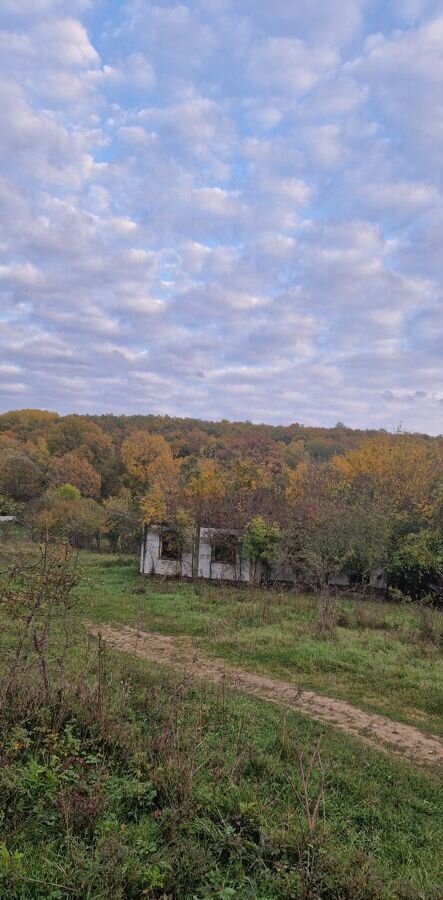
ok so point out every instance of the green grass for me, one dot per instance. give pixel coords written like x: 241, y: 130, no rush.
x: 374, y: 659
x: 185, y: 792
x: 182, y: 791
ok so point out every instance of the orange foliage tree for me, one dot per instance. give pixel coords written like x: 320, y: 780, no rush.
x: 147, y: 457
x: 148, y: 460
x: 76, y: 470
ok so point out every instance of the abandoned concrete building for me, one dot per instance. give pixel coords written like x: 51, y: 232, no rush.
x: 211, y: 553
x: 215, y: 554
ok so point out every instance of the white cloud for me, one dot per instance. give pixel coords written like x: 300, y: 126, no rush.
x: 324, y: 145
x: 222, y: 209
x: 135, y: 71
x: 288, y: 65
x: 405, y: 73
x: 35, y: 8
x: 334, y: 23
x: 63, y: 41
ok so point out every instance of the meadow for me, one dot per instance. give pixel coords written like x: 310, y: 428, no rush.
x: 144, y: 783
x: 382, y: 656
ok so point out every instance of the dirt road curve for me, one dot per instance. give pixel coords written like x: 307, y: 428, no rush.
x: 377, y: 731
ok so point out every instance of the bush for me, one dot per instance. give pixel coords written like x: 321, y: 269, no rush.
x: 416, y: 566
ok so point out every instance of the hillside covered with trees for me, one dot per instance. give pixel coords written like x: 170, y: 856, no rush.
x: 322, y: 500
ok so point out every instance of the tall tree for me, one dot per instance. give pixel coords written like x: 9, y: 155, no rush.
x: 20, y: 477
x: 76, y: 470
x: 147, y: 458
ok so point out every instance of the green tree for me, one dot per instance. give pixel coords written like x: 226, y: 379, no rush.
x: 123, y: 521
x: 9, y: 507
x: 65, y: 491
x: 416, y: 565
x: 62, y: 514
x: 260, y: 542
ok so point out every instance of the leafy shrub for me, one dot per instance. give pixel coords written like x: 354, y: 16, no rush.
x: 416, y: 566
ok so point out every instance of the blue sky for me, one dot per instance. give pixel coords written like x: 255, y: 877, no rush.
x: 223, y: 208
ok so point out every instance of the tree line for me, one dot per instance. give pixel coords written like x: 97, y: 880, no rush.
x: 320, y: 501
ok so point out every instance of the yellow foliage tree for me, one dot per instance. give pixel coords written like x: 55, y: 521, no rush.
x: 247, y: 475
x: 154, y: 505
x: 402, y: 470
x: 297, y: 480
x: 147, y: 457
x: 208, y: 482
x: 206, y: 490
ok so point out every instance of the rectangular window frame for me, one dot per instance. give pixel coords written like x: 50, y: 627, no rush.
x: 167, y: 539
x: 224, y: 550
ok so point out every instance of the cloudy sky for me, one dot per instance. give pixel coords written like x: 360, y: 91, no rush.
x: 223, y: 208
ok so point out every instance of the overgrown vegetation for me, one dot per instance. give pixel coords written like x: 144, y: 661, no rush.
x: 118, y: 781
x: 315, y: 503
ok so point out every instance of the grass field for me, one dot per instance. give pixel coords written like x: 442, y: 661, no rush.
x: 377, y: 657
x: 180, y: 790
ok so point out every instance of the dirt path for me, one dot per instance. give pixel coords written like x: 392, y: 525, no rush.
x: 377, y: 731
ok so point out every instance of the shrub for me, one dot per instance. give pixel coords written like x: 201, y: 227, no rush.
x: 416, y: 566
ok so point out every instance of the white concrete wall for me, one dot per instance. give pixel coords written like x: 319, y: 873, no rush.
x: 217, y: 570
x: 151, y: 562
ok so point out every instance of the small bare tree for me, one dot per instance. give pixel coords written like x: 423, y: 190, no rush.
x: 37, y: 599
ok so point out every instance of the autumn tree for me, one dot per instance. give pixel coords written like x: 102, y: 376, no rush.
x: 244, y: 479
x: 205, y: 490
x: 38, y: 451
x: 154, y: 504
x: 147, y: 458
x: 194, y: 442
x: 76, y: 470
x: 295, y: 453
x: 20, y: 477
x: 28, y: 424
x: 154, y: 475
x: 401, y: 470
x: 82, y: 436
x: 62, y: 514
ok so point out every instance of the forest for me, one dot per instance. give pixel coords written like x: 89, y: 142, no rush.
x: 325, y: 501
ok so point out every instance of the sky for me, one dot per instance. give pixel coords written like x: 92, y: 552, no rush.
x: 223, y: 209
